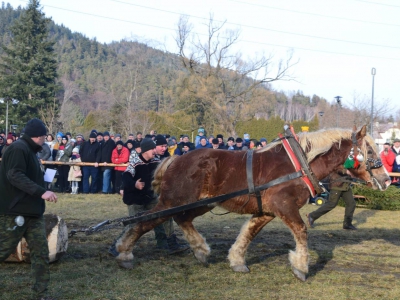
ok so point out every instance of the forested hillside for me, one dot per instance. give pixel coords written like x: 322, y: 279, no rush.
x: 127, y: 86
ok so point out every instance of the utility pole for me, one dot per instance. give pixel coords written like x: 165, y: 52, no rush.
x: 373, y: 72
x: 338, y: 106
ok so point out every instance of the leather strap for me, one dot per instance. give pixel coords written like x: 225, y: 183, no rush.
x: 250, y: 181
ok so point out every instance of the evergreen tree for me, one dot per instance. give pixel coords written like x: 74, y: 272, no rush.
x: 28, y: 68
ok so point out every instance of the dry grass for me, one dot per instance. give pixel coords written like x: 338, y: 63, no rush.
x: 343, y: 265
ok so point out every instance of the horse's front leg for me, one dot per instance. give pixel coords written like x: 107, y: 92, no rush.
x: 238, y: 250
x: 125, y: 243
x: 298, y: 258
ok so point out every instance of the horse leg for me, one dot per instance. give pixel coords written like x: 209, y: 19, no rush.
x: 128, y: 238
x: 299, y: 258
x: 197, y: 242
x: 238, y: 250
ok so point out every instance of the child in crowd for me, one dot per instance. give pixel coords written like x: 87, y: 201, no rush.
x: 75, y: 175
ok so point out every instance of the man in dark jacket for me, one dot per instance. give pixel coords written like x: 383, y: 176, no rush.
x: 22, y: 204
x: 90, y: 151
x: 139, y: 196
x: 106, y: 151
x: 339, y: 185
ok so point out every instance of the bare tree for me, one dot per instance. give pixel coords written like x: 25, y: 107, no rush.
x: 219, y: 82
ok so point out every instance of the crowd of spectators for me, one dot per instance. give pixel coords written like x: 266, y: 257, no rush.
x: 102, y: 147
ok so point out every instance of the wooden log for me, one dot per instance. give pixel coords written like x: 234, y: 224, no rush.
x: 57, y: 238
x: 394, y: 174
x: 82, y: 164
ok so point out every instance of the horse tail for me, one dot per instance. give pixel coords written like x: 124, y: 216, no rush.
x: 160, y: 171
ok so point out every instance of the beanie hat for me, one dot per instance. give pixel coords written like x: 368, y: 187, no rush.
x: 68, y: 133
x: 160, y: 140
x: 106, y: 133
x: 263, y: 140
x: 220, y: 136
x: 99, y: 133
x: 119, y: 143
x: 129, y: 142
x: 118, y: 135
x: 203, y: 138
x: 76, y: 150
x: 92, y: 135
x: 35, y: 128
x: 147, y: 144
x: 200, y: 130
x: 73, y: 140
x: 136, y: 144
x: 215, y: 142
x: 10, y: 136
x: 231, y: 139
x: 171, y: 143
x: 239, y: 140
x: 59, y: 134
x: 246, y: 136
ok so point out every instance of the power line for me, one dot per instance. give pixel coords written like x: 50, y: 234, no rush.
x: 245, y: 41
x: 319, y: 15
x: 263, y: 28
x: 382, y: 4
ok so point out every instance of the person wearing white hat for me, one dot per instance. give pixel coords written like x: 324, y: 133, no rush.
x: 75, y: 173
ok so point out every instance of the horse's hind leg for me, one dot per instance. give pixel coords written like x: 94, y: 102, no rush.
x: 238, y: 250
x: 197, y: 242
x: 299, y: 258
x: 128, y: 238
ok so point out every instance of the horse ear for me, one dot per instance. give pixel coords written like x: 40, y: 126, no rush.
x: 362, y: 132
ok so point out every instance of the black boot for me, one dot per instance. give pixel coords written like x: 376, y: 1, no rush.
x: 174, y: 246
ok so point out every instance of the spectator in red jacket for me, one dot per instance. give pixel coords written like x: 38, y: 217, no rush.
x: 120, y: 155
x: 387, y: 157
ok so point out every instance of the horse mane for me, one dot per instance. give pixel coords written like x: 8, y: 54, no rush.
x: 319, y: 142
x: 159, y: 173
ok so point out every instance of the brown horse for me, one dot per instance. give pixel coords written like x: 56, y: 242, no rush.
x: 207, y: 173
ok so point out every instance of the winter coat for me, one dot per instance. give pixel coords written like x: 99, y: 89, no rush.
x: 64, y: 154
x: 45, y: 153
x: 120, y: 158
x: 143, y: 170
x: 71, y: 176
x: 107, y: 149
x: 21, y: 180
x: 90, y: 152
x: 396, y: 163
x: 387, y: 159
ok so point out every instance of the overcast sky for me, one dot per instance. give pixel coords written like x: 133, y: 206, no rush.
x: 337, y: 43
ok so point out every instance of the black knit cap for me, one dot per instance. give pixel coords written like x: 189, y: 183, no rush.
x: 35, y: 128
x: 119, y: 143
x: 147, y: 144
x: 92, y: 135
x: 160, y: 140
x: 106, y: 133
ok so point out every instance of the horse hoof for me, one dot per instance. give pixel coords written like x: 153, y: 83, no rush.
x: 299, y: 275
x: 241, y: 268
x: 201, y: 257
x: 125, y: 264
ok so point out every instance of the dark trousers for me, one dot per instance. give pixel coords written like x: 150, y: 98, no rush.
x: 63, y: 178
x: 118, y: 181
x: 89, y: 172
x: 333, y: 200
x: 34, y: 233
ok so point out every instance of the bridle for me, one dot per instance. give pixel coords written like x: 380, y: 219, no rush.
x: 370, y: 163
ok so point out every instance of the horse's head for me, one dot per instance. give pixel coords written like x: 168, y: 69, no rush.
x: 371, y: 168
x: 328, y: 149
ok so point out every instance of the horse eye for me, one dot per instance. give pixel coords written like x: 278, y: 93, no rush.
x: 369, y: 152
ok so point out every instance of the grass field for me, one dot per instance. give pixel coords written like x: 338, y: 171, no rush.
x: 364, y: 264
